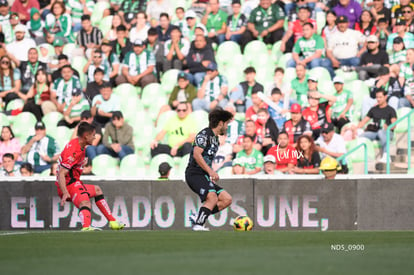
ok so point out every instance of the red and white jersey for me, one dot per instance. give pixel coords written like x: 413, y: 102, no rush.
x: 72, y: 158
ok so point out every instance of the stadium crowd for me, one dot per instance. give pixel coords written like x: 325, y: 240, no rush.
x: 304, y: 80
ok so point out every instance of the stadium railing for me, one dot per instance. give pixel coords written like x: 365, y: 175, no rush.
x: 342, y: 158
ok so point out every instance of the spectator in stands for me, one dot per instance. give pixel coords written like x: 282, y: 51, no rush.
x: 285, y: 155
x: 379, y: 11
x: 329, y: 168
x: 175, y: 50
x: 138, y: 67
x: 213, y: 90
x: 398, y: 95
x: 257, y: 103
x: 189, y: 28
x: 277, y: 114
x: 295, y: 29
x: 406, y: 69
x: 250, y: 158
x: 250, y: 130
x: 297, y: 125
x: 309, y: 50
x: 58, y: 44
x: 267, y: 129
x: 381, y: 82
x: 183, y: 92
x: 409, y: 17
x: 41, y: 149
x: 164, y: 28
x: 398, y: 53
x: 343, y: 103
x: 265, y: 22
x: 198, y: 58
x: 116, y: 21
x: 9, y: 80
x: 157, y: 48
x: 35, y: 26
x: 164, y: 169
x: 59, y: 23
x: 318, y: 113
x: 308, y: 157
x: 73, y: 110
x: 269, y: 164
x: 23, y: 7
x: 140, y: 31
x: 366, y: 24
x: 242, y: 93
x: 383, y: 33
x: 343, y: 45
x: 278, y: 77
x: 181, y: 130
x: 382, y: 115
x: 9, y: 144
x: 89, y: 37
x: 157, y: 7
x: 237, y: 167
x: 331, y: 144
x: 401, y: 31
x: 110, y: 59
x: 349, y: 8
x: 397, y: 9
x: 63, y: 60
x: 121, y: 45
x: 26, y: 169
x: 78, y: 8
x: 236, y: 23
x: 299, y: 85
x: 29, y: 68
x: 96, y: 61
x: 118, y: 140
x: 224, y: 155
x: 93, y: 88
x: 129, y: 10
x: 20, y: 47
x: 330, y: 27
x: 9, y: 168
x: 91, y: 149
x: 63, y: 88
x: 53, y: 169
x: 215, y: 21
x: 104, y: 105
x: 235, y: 127
x: 9, y: 25
x: 372, y: 59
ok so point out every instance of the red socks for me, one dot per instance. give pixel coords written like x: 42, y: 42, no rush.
x: 104, y: 207
x: 85, y: 215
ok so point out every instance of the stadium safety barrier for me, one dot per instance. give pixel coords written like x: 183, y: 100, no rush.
x: 281, y: 204
x: 342, y: 159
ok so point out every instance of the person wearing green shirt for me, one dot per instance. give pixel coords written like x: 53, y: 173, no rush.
x: 265, y: 23
x: 181, y: 129
x: 299, y: 85
x: 72, y: 111
x: 344, y: 100
x: 309, y: 51
x: 251, y: 158
x: 215, y: 21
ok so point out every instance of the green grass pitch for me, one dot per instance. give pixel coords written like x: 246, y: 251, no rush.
x: 216, y: 252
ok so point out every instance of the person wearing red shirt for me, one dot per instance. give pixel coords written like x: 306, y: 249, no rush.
x: 251, y: 112
x: 71, y: 188
x: 286, y: 156
x: 23, y: 7
x: 296, y: 126
x: 318, y: 113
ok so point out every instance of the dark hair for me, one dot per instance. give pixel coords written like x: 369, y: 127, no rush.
x: 85, y: 17
x: 217, y: 115
x: 11, y: 74
x: 164, y: 14
x: 175, y: 28
x: 279, y: 69
x: 263, y: 110
x: 330, y: 12
x: 105, y: 85
x: 382, y: 20
x: 63, y: 57
x: 179, y: 8
x: 8, y: 155
x: 381, y: 90
x: 85, y: 127
x: 283, y: 133
x: 307, y: 24
x: 26, y: 165
x: 250, y: 121
x: 249, y: 70
x: 145, y: 15
x: 152, y: 31
x: 11, y: 132
x: 312, y: 147
x: 67, y: 66
x: 41, y: 70
x: 98, y: 70
x: 61, y: 4
x: 248, y: 137
x: 121, y: 28
x: 276, y: 91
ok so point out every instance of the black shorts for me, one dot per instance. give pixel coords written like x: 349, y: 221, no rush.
x: 202, y: 185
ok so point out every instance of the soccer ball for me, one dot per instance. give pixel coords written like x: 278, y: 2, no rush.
x: 243, y: 223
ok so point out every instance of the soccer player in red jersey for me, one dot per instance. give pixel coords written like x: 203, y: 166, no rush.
x: 71, y: 188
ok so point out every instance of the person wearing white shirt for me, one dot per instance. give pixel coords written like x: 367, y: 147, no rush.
x: 20, y: 47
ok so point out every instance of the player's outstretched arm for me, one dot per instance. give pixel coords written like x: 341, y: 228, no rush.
x: 62, y: 184
x: 198, y: 151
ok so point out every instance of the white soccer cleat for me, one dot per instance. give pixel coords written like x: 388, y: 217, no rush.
x: 198, y: 227
x: 192, y: 218
x: 90, y: 228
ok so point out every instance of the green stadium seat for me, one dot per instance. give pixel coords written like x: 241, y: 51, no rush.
x: 358, y: 156
x: 69, y: 48
x: 321, y: 73
x: 157, y: 160
x: 402, y: 126
x: 105, y: 24
x: 45, y: 173
x: 97, y: 13
x: 284, y: 59
x: 234, y: 77
x: 320, y: 21
x: 253, y: 48
x: 226, y: 52
x: 164, y: 117
x: 290, y: 74
x: 50, y: 49
x: 183, y: 164
x: 225, y: 172
x: 105, y: 165
x: 144, y: 133
x: 326, y: 87
x: 347, y: 76
x: 201, y: 117
x: 15, y: 104
x: 61, y: 134
x: 169, y: 80
x: 126, y: 90
x: 78, y: 62
x: 133, y: 166
x: 149, y: 93
x: 51, y: 119
x: 23, y: 125
x: 276, y: 52
x: 4, y: 120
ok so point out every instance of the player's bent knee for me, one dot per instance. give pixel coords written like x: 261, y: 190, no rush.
x: 85, y: 204
x: 212, y: 198
x: 98, y: 190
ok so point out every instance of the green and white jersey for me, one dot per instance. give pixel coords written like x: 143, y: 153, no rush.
x: 406, y: 71
x: 46, y: 146
x: 397, y: 57
x: 340, y: 103
x: 189, y: 33
x: 137, y: 64
x: 301, y: 89
x: 8, y: 32
x: 5, y: 19
x: 15, y: 171
x: 184, y: 46
x: 264, y: 19
x: 216, y: 21
x: 91, y: 70
x: 234, y: 130
x: 252, y: 161
x: 64, y: 89
x: 76, y: 9
x: 83, y: 105
x: 307, y: 47
x: 213, y: 88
